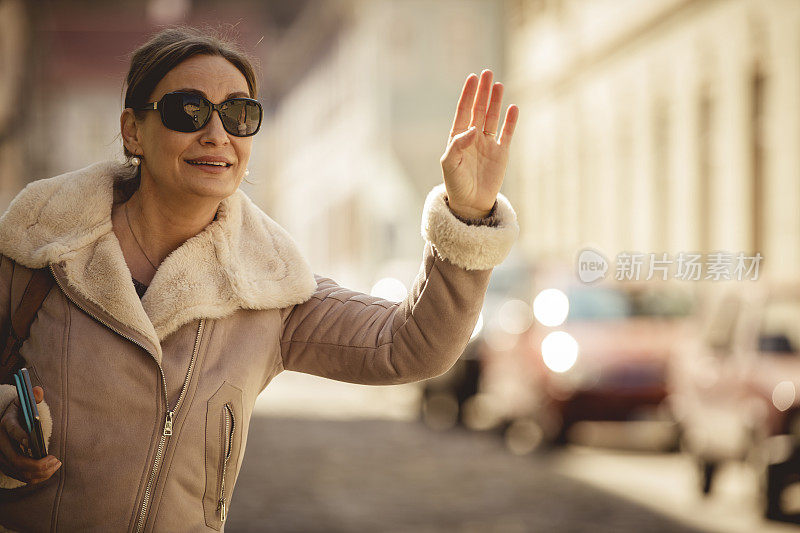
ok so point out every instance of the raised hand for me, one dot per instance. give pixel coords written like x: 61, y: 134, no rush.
x: 474, y: 162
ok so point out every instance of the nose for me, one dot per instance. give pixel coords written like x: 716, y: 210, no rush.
x: 213, y: 132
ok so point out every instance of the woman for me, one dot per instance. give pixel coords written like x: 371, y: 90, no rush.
x: 177, y: 300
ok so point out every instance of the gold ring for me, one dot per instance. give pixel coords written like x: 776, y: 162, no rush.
x: 487, y: 133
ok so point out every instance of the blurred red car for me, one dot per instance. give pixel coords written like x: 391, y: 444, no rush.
x: 594, y: 352
x: 734, y: 391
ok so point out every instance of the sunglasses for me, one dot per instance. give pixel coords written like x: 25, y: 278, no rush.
x: 189, y: 112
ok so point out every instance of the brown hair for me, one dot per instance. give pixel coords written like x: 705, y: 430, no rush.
x: 160, y: 54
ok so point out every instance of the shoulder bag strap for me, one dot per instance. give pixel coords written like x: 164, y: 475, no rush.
x: 19, y: 326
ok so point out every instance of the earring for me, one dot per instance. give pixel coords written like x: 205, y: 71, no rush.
x: 136, y: 161
x: 246, y: 172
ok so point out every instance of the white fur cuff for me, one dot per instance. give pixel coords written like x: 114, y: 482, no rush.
x: 8, y: 393
x: 467, y: 246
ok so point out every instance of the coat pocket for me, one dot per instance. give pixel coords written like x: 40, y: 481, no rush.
x: 223, y: 446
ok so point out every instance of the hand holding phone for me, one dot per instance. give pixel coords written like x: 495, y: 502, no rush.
x: 29, y: 416
x: 14, y: 440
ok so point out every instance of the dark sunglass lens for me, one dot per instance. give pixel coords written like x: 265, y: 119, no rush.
x: 241, y: 117
x: 184, y: 112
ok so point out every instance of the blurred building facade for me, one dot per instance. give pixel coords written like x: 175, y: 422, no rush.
x: 659, y: 126
x: 355, y: 145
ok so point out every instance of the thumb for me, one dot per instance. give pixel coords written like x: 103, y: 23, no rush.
x: 38, y: 394
x: 452, y: 155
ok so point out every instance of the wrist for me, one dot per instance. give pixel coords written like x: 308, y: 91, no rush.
x: 470, y: 213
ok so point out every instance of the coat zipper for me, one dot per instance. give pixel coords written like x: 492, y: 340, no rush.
x: 168, y: 425
x: 227, y: 446
x: 170, y: 413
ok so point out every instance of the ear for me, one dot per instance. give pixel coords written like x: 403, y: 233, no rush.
x: 130, y: 131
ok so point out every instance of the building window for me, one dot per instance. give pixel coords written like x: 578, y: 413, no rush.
x: 624, y: 144
x: 757, y: 97
x: 661, y: 148
x: 705, y: 120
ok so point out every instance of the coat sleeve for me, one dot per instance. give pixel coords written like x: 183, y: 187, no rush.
x: 350, y: 336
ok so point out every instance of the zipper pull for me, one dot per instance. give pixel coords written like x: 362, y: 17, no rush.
x: 223, y: 512
x: 168, y: 424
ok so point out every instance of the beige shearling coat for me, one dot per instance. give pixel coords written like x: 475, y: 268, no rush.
x: 148, y: 401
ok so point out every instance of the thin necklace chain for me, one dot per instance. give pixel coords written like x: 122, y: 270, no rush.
x: 137, y: 240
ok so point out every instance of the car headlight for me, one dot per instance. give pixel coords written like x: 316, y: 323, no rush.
x: 559, y: 351
x: 550, y: 307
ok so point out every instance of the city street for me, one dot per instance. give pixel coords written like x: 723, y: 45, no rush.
x: 325, y: 456
x: 392, y: 476
x: 350, y: 458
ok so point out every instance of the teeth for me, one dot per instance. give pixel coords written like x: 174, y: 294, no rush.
x: 213, y: 163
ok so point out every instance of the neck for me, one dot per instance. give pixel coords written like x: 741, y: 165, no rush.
x: 162, y: 222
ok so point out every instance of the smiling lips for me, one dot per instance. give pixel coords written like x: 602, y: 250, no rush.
x: 209, y: 162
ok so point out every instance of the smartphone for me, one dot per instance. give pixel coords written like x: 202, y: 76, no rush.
x: 24, y: 419
x: 30, y: 414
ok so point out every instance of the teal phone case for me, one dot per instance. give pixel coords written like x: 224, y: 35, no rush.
x: 23, y: 400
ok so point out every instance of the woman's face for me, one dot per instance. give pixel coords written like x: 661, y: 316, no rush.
x: 167, y: 153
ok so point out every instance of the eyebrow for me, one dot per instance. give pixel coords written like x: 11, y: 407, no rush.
x: 201, y: 93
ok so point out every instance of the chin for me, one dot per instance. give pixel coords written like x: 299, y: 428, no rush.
x: 214, y: 188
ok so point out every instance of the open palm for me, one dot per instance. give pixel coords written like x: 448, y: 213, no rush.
x: 475, y: 159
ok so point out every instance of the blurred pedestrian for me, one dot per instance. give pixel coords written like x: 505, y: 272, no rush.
x: 177, y: 300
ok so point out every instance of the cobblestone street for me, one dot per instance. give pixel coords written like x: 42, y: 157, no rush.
x: 392, y: 476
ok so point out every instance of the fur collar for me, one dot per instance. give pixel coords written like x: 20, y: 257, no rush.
x: 243, y: 259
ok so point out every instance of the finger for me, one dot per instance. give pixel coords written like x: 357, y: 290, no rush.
x: 41, y: 473
x: 481, y: 99
x: 461, y: 120
x: 33, y: 470
x: 25, y: 468
x: 509, y: 125
x: 38, y: 394
x: 493, y: 113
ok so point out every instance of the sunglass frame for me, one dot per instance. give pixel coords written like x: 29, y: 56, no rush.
x: 158, y: 106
